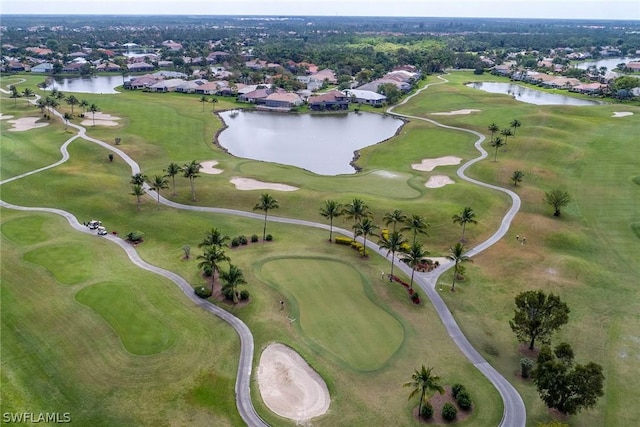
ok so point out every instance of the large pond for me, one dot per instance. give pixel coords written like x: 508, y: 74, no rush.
x: 610, y: 63
x: 321, y: 143
x: 530, y: 96
x: 89, y: 84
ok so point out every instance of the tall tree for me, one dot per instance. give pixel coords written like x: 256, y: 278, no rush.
x: 66, y: 118
x: 331, y: 210
x: 72, y: 101
x: 203, y: 100
x: 417, y: 225
x: 566, y: 386
x: 27, y: 92
x: 457, y: 255
x: 214, y: 237
x: 192, y: 171
x: 356, y: 211
x: 422, y: 382
x: 365, y: 228
x: 14, y: 94
x: 517, y: 177
x: 496, y: 142
x: 392, y: 243
x: 265, y: 204
x: 159, y: 182
x: 84, y: 105
x: 467, y: 216
x: 93, y: 109
x: 506, y: 132
x: 214, y: 101
x: 172, y: 170
x: 395, y: 217
x: 138, y: 179
x: 558, y: 199
x: 210, y: 262
x: 515, y: 124
x: 493, y: 128
x: 414, y: 257
x: 138, y: 191
x: 537, y: 316
x: 233, y: 278
x: 41, y: 104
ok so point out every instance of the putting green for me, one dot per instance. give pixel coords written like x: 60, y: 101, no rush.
x: 69, y: 264
x: 335, y: 311
x: 141, y: 332
x: 26, y: 231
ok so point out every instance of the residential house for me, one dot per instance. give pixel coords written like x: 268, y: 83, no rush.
x: 171, y: 45
x: 282, y: 101
x: 217, y: 57
x: 326, y: 75
x: 45, y: 67
x: 208, y: 88
x: 108, y: 67
x: 141, y: 82
x: 257, y: 96
x: 333, y: 100
x: 140, y: 67
x: 169, y: 85
x: 366, y: 97
x: 590, y: 88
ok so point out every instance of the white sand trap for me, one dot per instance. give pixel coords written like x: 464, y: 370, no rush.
x: 101, y: 119
x: 252, y: 184
x: 456, y: 112
x: 387, y: 174
x: 5, y: 117
x: 438, y: 181
x: 25, y: 123
x: 289, y: 386
x: 208, y: 167
x: 622, y: 113
x: 428, y: 165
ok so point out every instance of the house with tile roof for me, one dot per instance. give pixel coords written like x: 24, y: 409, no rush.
x: 368, y: 97
x: 333, y: 100
x: 281, y: 101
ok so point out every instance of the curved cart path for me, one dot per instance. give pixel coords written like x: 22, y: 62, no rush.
x: 514, y: 413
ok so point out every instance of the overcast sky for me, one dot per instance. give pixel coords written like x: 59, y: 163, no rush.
x: 560, y: 9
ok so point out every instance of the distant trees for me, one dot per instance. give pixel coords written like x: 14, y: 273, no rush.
x: 265, y: 204
x: 558, y: 199
x: 391, y: 91
x: 537, y: 316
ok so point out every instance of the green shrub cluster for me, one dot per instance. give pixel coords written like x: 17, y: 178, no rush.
x: 461, y: 395
x: 427, y: 410
x: 244, y: 294
x: 239, y: 240
x: 254, y: 238
x: 526, y: 365
x: 449, y: 412
x: 135, y: 236
x: 203, y: 292
x: 268, y: 237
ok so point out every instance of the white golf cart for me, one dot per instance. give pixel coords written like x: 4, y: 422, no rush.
x: 94, y: 224
x: 102, y: 231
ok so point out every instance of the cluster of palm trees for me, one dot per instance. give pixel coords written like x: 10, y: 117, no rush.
x: 52, y: 101
x: 414, y: 253
x: 501, y: 141
x: 210, y: 261
x: 160, y: 182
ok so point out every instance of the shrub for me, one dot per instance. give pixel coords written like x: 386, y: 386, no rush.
x: 244, y: 294
x: 254, y: 238
x: 427, y: 410
x: 203, y: 292
x: 243, y: 240
x: 525, y: 367
x: 207, y: 270
x: 235, y: 242
x: 455, y: 389
x: 464, y: 400
x: 449, y: 412
x: 227, y: 291
x: 268, y: 237
x: 135, y: 236
x: 340, y: 240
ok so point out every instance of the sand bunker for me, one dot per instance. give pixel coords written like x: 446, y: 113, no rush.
x: 25, y: 123
x: 622, y: 113
x: 208, y: 167
x: 428, y: 165
x: 438, y: 181
x: 456, y: 112
x: 5, y: 117
x: 289, y: 386
x: 252, y: 184
x: 101, y: 119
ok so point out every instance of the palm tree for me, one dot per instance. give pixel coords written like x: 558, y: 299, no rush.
x: 414, y: 257
x: 41, y: 104
x: 138, y: 191
x: 506, y: 132
x: 517, y: 177
x: 232, y: 279
x: 192, y: 171
x: 265, y: 203
x: 138, y: 179
x: 211, y: 259
x: 493, y: 128
x: 66, y: 118
x: 52, y: 104
x: 417, y: 225
x: 172, y: 170
x: 214, y: 238
x: 214, y: 101
x: 392, y: 243
x: 515, y: 124
x: 93, y: 108
x: 27, y: 92
x: 331, y: 210
x: 83, y: 104
x: 496, y: 142
x: 467, y: 216
x: 558, y: 199
x: 14, y: 94
x: 356, y: 211
x: 456, y: 254
x: 424, y: 381
x: 395, y: 217
x: 203, y: 100
x: 159, y: 182
x: 72, y: 100
x: 365, y: 228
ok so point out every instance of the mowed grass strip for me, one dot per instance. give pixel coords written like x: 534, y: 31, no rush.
x: 335, y: 312
x: 68, y: 264
x: 140, y: 331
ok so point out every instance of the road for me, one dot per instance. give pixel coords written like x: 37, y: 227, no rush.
x: 514, y: 412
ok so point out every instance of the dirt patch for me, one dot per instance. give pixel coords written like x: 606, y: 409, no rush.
x: 456, y: 112
x: 208, y: 167
x: 25, y: 123
x: 101, y: 119
x: 438, y: 181
x: 427, y: 165
x: 252, y: 184
x: 289, y: 386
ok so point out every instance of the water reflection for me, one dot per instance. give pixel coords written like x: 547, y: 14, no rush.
x: 530, y: 96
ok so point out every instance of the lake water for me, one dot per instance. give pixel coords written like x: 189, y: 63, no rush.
x: 323, y: 144
x: 528, y: 95
x: 610, y: 63
x: 95, y: 84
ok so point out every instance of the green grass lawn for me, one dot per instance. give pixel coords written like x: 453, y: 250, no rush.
x: 588, y: 256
